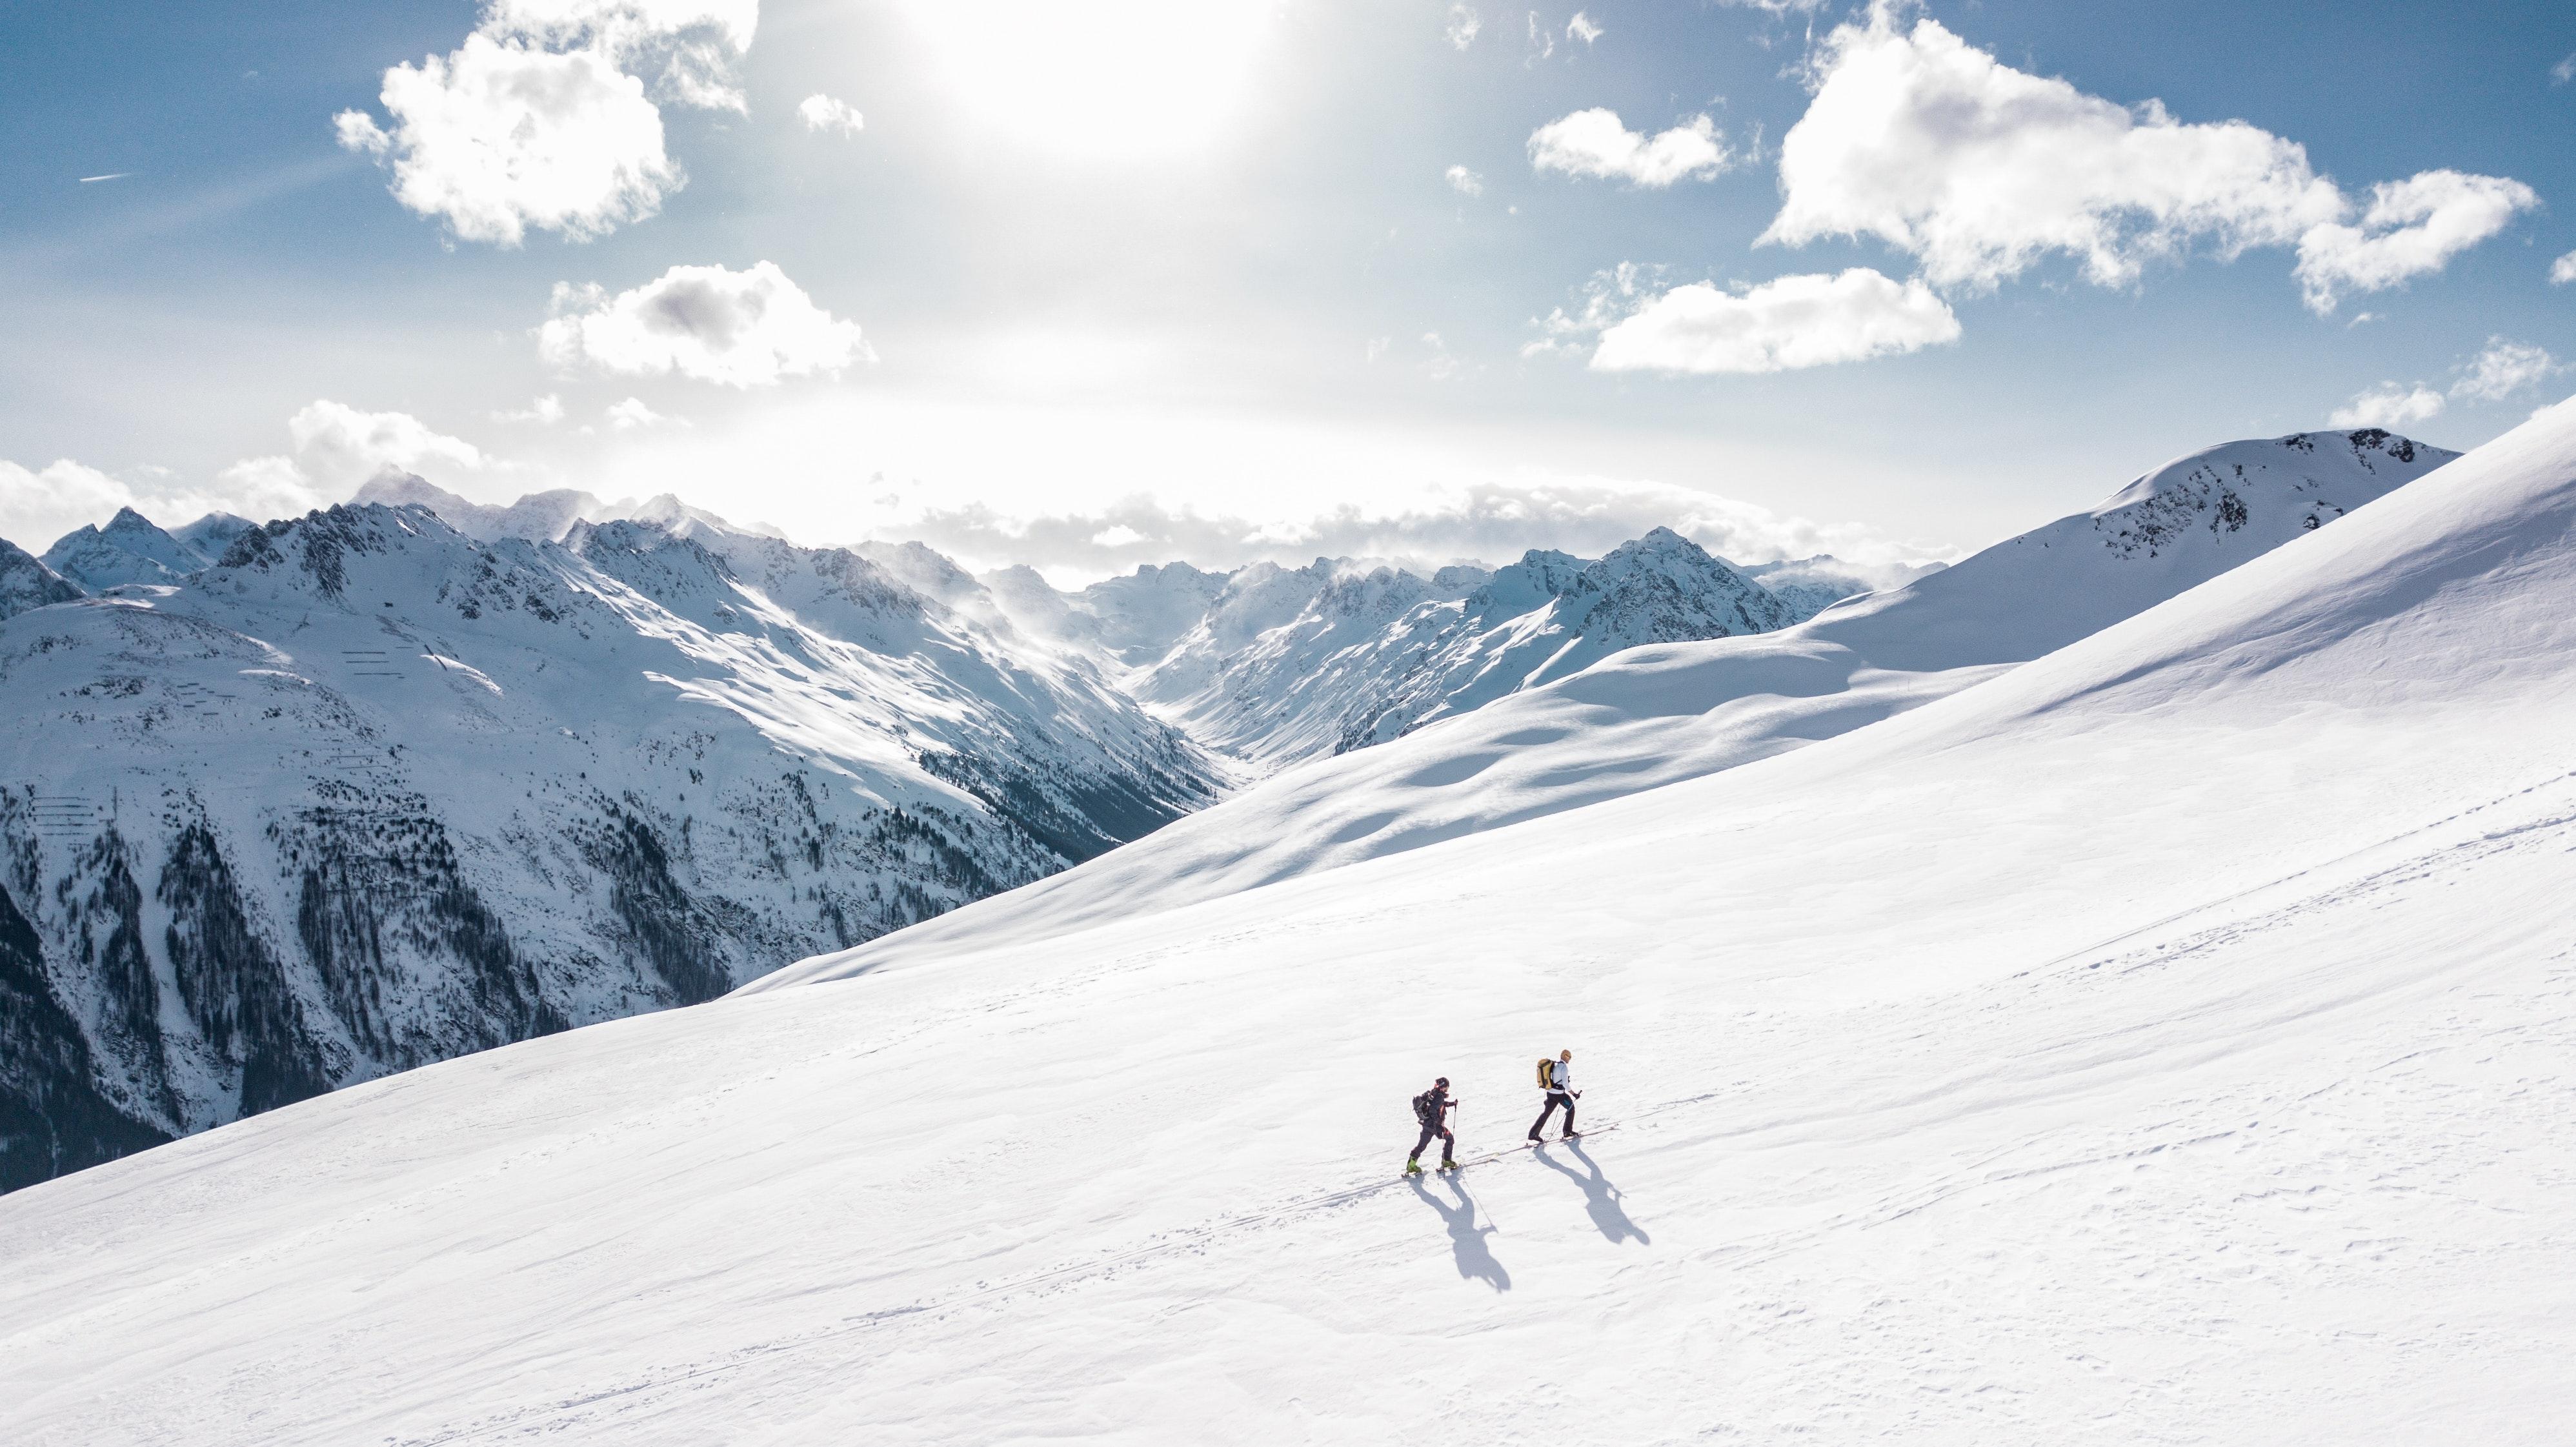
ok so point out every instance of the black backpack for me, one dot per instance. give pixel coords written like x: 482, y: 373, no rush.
x: 1426, y: 1107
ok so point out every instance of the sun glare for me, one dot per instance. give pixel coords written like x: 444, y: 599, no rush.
x: 1129, y: 79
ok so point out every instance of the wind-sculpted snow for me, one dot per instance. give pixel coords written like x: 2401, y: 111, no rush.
x: 2162, y: 1041
x: 367, y: 794
x: 1655, y: 715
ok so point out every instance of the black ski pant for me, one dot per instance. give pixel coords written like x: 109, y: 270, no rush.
x: 1448, y: 1143
x: 1555, y: 1098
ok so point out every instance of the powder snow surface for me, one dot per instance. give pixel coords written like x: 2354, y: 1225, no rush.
x: 2165, y: 1041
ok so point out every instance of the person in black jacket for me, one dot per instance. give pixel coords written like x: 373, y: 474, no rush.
x: 1560, y: 1095
x: 1432, y: 1108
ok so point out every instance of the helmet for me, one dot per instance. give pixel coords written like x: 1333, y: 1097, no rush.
x: 1443, y: 1080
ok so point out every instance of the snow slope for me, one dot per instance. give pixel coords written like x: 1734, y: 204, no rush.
x: 2163, y: 1041
x: 369, y: 793
x: 1656, y: 715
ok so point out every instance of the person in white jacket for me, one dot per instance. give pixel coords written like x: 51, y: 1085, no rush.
x: 1560, y: 1093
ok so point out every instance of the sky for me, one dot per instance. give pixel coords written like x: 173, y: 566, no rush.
x: 1094, y: 285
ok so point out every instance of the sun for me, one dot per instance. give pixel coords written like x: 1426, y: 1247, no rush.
x: 1127, y: 79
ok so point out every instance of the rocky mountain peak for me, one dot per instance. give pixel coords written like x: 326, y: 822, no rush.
x: 130, y: 549
x: 2240, y: 498
x: 25, y: 582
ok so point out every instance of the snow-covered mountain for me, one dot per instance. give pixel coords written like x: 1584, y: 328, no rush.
x: 1292, y: 663
x: 25, y: 582
x: 539, y: 517
x: 368, y: 793
x: 2164, y: 1040
x: 1270, y: 664
x: 1811, y: 585
x: 1656, y: 715
x: 1136, y: 619
x: 130, y: 549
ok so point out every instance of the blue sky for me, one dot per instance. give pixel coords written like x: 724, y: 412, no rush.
x: 1105, y: 284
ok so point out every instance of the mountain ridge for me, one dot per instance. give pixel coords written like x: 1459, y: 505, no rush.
x: 366, y: 793
x: 1655, y: 715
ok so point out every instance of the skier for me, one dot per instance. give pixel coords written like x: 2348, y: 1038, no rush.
x: 1556, y: 1077
x: 1432, y: 1108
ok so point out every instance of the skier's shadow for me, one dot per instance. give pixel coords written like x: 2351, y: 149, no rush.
x: 1466, y: 1239
x: 1600, y: 1198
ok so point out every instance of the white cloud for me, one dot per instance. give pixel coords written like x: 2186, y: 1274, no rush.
x: 2504, y: 368
x: 545, y: 411
x: 263, y: 489
x: 1584, y: 28
x: 1594, y: 143
x: 749, y: 328
x: 2390, y: 404
x: 1541, y: 39
x: 2412, y: 227
x: 543, y: 119
x: 338, y: 447
x: 825, y: 113
x: 1466, y: 182
x: 39, y: 506
x: 632, y: 413
x: 499, y: 137
x: 1980, y: 170
x: 1441, y: 365
x: 2563, y: 270
x: 1463, y: 24
x: 1782, y: 325
x: 689, y: 47
x: 2564, y: 71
